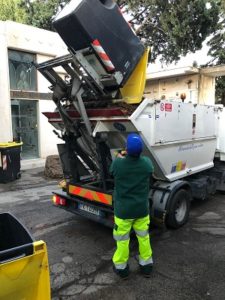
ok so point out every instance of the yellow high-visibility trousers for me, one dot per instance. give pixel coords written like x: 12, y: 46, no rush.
x: 121, y: 234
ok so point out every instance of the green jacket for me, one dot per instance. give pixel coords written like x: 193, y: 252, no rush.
x: 131, y: 176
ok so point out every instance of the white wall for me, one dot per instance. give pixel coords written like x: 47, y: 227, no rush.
x: 32, y: 39
x: 46, y: 45
x: 47, y: 139
x: 5, y: 110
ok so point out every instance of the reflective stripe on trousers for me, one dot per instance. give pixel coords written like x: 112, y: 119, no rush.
x: 141, y: 232
x: 121, y: 234
x: 123, y: 237
x: 143, y: 262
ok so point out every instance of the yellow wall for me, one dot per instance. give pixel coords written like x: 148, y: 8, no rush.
x: 198, y: 88
x: 206, y: 90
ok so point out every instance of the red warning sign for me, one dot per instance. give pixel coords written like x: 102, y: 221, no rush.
x: 168, y: 107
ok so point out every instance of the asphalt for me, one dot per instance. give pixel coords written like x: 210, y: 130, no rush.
x: 189, y: 263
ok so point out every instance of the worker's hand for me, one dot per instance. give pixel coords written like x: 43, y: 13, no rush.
x: 121, y: 154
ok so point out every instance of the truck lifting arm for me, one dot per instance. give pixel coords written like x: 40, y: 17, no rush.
x: 96, y: 78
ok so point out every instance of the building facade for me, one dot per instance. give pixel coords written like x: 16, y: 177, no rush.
x: 198, y: 84
x: 24, y: 92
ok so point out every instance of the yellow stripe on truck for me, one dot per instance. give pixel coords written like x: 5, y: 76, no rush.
x: 90, y: 194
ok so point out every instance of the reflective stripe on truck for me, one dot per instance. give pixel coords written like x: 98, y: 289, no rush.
x: 90, y: 194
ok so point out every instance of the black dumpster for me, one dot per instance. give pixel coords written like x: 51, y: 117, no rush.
x: 9, y: 161
x: 15, y: 240
x: 100, y: 21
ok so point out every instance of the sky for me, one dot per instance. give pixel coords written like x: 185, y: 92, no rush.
x: 200, y: 57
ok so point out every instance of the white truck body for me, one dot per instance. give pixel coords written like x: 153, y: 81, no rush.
x: 221, y: 135
x: 180, y: 138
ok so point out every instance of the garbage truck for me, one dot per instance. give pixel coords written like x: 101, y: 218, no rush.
x: 99, y: 101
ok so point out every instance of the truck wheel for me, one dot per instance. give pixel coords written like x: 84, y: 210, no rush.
x: 179, y: 208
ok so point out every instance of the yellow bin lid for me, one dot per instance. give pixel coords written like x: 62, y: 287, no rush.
x: 10, y: 144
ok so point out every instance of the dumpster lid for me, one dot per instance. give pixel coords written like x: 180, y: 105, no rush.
x: 10, y: 144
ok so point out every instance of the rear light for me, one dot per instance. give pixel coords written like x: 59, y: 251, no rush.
x: 57, y: 200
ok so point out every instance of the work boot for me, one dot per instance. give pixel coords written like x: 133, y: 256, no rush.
x: 122, y: 273
x: 146, y: 270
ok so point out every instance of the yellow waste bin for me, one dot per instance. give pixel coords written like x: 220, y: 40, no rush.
x: 24, y: 269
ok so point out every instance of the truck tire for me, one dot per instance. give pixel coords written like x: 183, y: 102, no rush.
x: 179, y: 208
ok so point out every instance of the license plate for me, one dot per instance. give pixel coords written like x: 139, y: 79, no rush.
x: 89, y: 209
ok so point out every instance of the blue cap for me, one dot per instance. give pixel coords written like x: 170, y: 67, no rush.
x: 134, y: 144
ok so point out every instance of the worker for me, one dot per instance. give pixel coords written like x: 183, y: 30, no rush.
x: 131, y: 206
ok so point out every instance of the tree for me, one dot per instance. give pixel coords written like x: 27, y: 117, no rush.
x: 10, y: 10
x: 173, y: 27
x: 41, y: 12
x: 170, y: 27
x: 217, y: 52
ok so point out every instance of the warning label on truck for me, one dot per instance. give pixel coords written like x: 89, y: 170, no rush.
x: 168, y: 107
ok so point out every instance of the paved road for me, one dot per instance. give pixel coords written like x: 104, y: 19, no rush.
x: 189, y: 262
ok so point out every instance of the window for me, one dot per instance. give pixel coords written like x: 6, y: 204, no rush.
x: 23, y: 80
x: 23, y: 75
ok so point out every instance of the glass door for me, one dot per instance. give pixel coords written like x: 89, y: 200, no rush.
x: 24, y: 126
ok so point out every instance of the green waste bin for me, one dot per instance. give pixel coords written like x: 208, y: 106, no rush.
x: 10, y: 161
